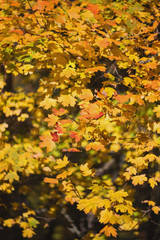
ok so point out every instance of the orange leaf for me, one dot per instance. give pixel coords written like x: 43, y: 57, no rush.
x: 123, y: 98
x: 94, y: 8
x: 75, y: 135
x: 95, y: 69
x: 71, y: 150
x: 52, y: 119
x: 156, y: 209
x: 50, y: 180
x: 59, y: 112
x: 47, y: 142
x: 95, y: 145
x: 109, y: 231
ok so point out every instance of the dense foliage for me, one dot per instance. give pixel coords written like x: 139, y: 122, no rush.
x: 79, y: 119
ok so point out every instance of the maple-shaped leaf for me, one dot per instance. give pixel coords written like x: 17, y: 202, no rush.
x: 61, y: 163
x: 74, y: 12
x: 43, y: 4
x: 67, y: 100
x: 47, y: 142
x: 109, y: 91
x: 85, y: 170
x: 8, y: 222
x: 59, y: 112
x: 89, y: 205
x: 117, y: 196
x: 51, y: 120
x: 94, y: 8
x: 65, y: 174
x: 67, y: 186
x: 59, y: 129
x: 150, y: 203
x: 11, y: 176
x: 151, y: 65
x: 28, y: 233
x: 152, y: 182
x: 32, y: 222
x: 65, y: 121
x: 86, y: 115
x: 129, y: 172
x: 140, y: 179
x: 97, y: 146
x: 156, y: 209
x: 69, y: 70
x: 55, y: 137
x: 109, y: 231
x: 48, y: 103
x: 96, y: 116
x: 71, y: 197
x: 123, y: 98
x: 124, y: 208
x: 105, y: 216
x: 86, y: 95
x: 157, y: 111
x: 50, y: 180
x: 75, y: 135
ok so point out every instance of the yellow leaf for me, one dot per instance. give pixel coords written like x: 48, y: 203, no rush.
x: 89, y: 205
x: 117, y: 196
x: 67, y: 186
x: 28, y: 232
x: 52, y: 119
x: 115, y: 147
x: 11, y: 176
x: 105, y: 216
x: 23, y: 117
x: 8, y: 222
x: 157, y: 111
x: 65, y: 173
x: 109, y: 91
x: 85, y: 170
x: 140, y: 179
x: 156, y: 209
x: 67, y: 100
x: 61, y: 163
x: 86, y: 94
x: 129, y: 81
x: 132, y: 170
x: 48, y: 103
x: 152, y: 182
x: 24, y: 225
x: 109, y: 231
x: 124, y: 208
x: 129, y: 224
x: 150, y: 203
x: 68, y: 72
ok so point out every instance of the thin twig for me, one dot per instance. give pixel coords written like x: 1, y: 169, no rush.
x: 75, y: 189
x: 34, y: 13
